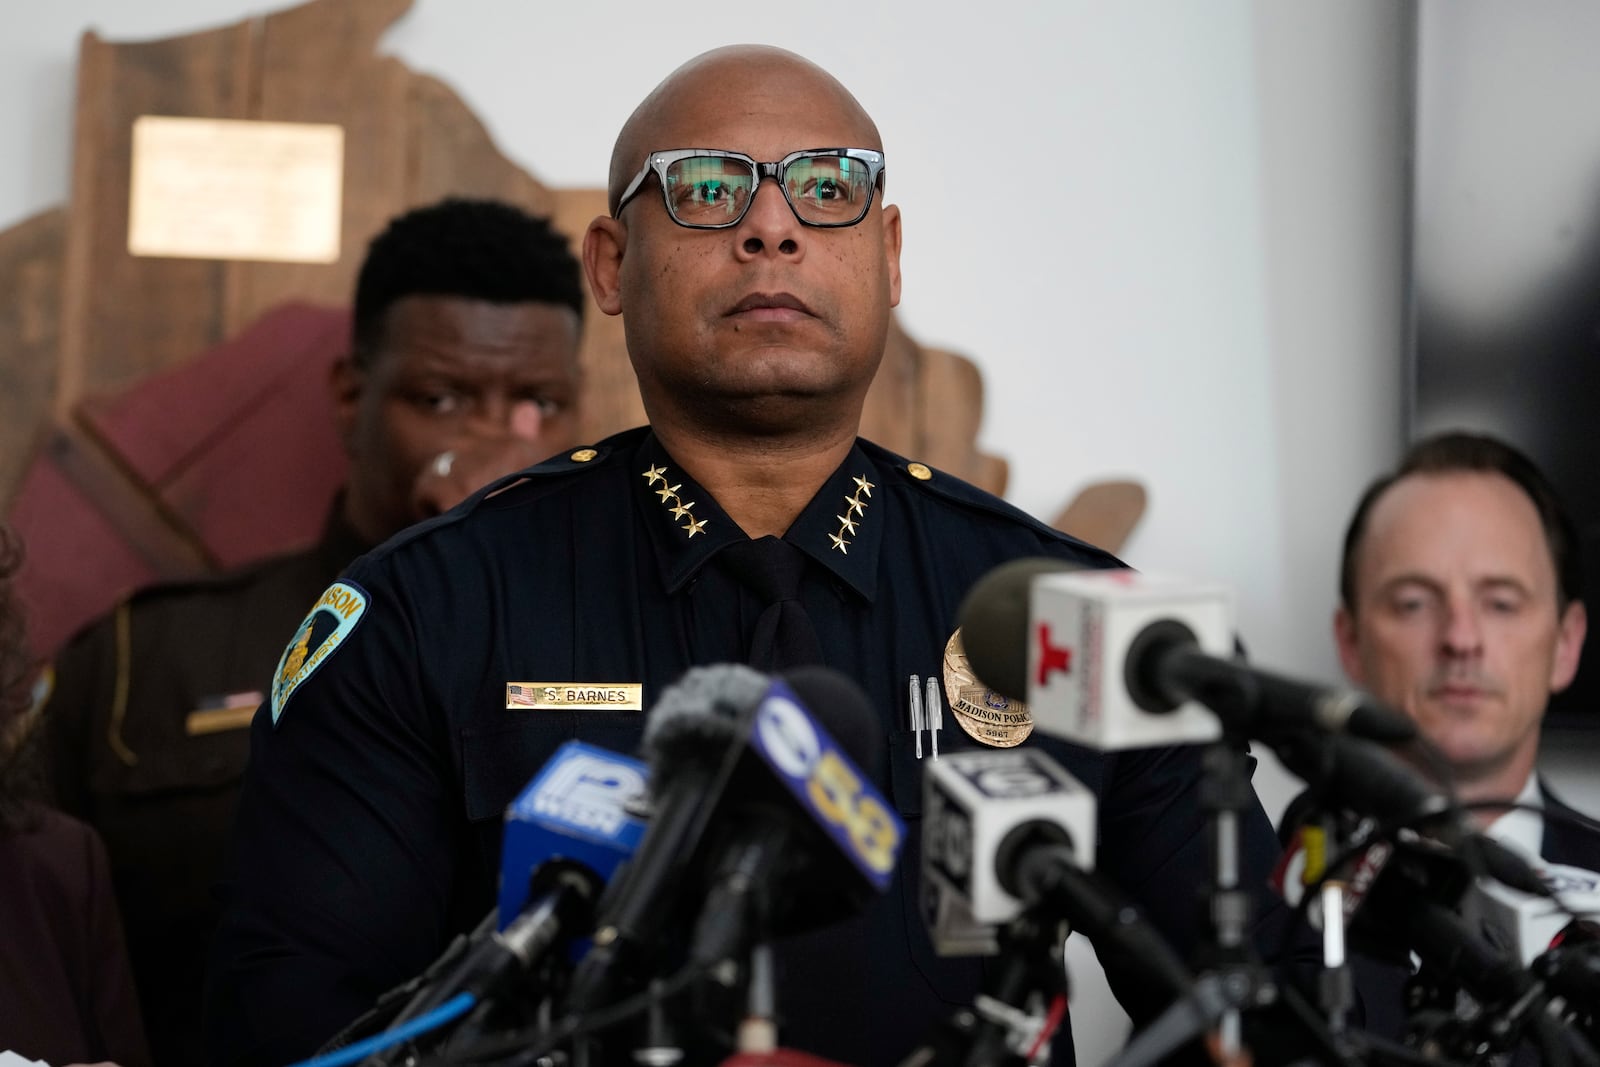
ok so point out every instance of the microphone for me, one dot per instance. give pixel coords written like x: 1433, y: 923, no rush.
x: 1008, y: 840
x: 1570, y: 967
x: 805, y: 837
x: 1366, y: 786
x: 758, y: 782
x: 1525, y: 926
x: 565, y: 836
x: 1360, y: 777
x: 1440, y: 936
x: 974, y: 801
x: 687, y: 737
x: 1118, y: 659
x: 579, y: 807
x: 1009, y: 830
x: 1557, y: 940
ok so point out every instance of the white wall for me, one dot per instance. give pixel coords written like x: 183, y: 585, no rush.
x: 1171, y: 233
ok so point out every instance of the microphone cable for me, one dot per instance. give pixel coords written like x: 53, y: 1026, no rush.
x: 447, y: 1012
x: 522, y: 1047
x: 393, y: 1002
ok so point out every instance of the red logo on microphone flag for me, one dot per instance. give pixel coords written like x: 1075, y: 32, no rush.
x: 1052, y: 657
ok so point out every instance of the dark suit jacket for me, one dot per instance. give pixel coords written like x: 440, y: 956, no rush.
x: 1565, y: 841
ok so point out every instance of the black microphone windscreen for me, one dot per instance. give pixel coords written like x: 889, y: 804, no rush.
x: 1360, y: 775
x: 842, y: 709
x: 1503, y: 864
x: 696, y: 718
x: 994, y: 623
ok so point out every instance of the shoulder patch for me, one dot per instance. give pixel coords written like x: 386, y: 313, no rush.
x: 332, y: 619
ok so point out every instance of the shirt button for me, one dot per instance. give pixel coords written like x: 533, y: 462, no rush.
x: 918, y: 471
x: 583, y: 455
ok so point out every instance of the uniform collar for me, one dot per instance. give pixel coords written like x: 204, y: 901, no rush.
x: 841, y: 528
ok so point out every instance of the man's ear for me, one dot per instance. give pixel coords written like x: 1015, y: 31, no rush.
x: 345, y: 382
x: 891, y: 250
x: 603, y: 245
x: 1344, y: 634
x: 1569, y: 646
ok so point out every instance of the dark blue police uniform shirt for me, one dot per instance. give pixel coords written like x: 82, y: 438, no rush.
x: 369, y: 829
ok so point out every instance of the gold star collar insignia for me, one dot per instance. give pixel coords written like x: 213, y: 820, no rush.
x: 854, y: 508
x: 675, y: 505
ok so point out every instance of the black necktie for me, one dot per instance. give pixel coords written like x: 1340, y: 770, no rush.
x: 771, y: 568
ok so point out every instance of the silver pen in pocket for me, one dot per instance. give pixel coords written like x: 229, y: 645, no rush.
x: 918, y: 722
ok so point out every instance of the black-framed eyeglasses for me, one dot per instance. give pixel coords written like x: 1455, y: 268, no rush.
x: 708, y: 189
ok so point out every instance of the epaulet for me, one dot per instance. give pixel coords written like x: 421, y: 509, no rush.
x: 513, y: 490
x: 937, y: 482
x: 948, y: 487
x: 964, y: 494
x: 583, y: 459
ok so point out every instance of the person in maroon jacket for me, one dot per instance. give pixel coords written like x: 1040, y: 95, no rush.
x: 66, y: 992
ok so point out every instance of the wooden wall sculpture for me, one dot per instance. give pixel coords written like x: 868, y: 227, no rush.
x: 93, y: 334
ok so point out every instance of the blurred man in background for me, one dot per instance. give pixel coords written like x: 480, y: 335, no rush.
x: 1459, y: 606
x: 463, y: 367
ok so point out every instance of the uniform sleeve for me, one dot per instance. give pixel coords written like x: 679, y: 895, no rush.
x: 342, y: 862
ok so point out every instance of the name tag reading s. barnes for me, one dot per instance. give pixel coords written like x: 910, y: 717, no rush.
x: 583, y: 696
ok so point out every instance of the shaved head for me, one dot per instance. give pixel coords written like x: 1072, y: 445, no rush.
x: 770, y: 327
x: 727, y: 72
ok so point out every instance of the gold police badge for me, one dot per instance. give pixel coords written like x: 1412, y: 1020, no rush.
x: 985, y: 715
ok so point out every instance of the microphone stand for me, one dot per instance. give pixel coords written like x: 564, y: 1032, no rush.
x: 1335, y: 992
x: 1000, y: 1029
x: 1032, y: 962
x: 757, y: 1032
x: 1235, y: 980
x: 1225, y: 795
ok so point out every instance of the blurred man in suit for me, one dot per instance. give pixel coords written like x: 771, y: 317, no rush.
x: 1459, y: 605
